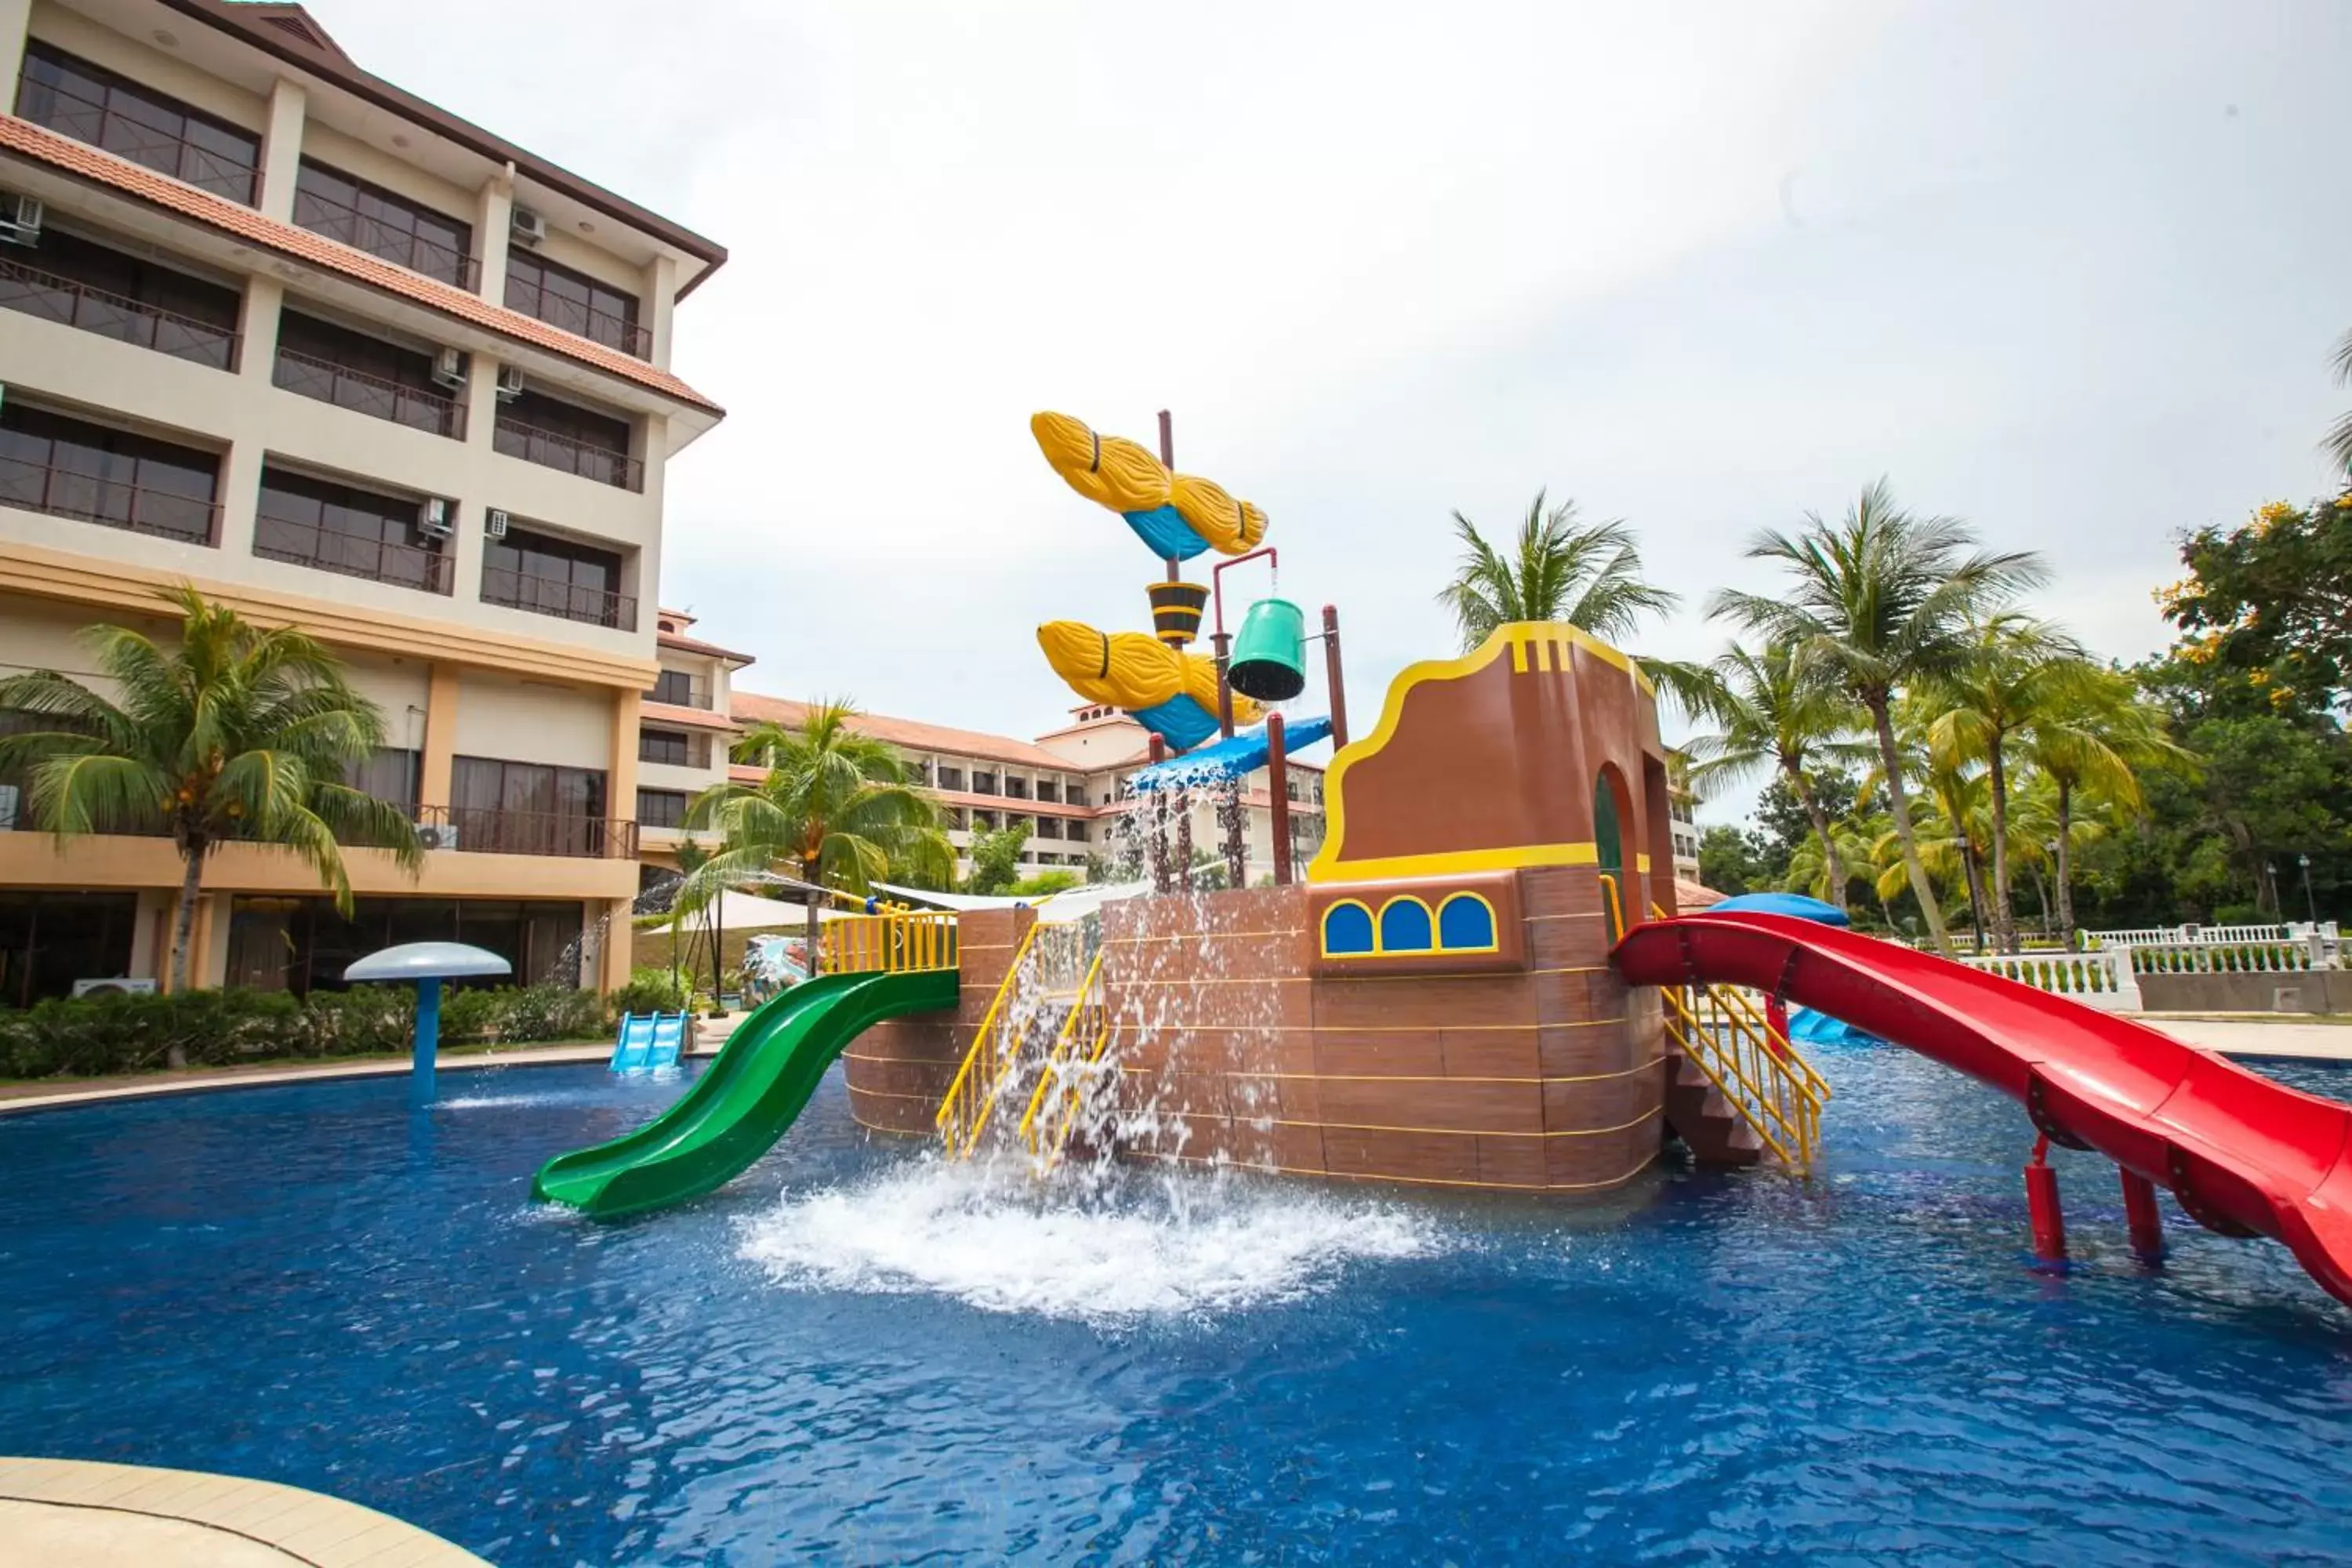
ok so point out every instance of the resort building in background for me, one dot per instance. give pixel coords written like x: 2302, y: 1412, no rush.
x: 271, y: 325
x: 1067, y: 787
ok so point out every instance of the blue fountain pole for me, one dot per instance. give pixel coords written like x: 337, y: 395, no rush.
x: 428, y: 1038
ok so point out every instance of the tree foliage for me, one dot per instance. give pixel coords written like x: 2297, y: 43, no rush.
x: 1587, y: 574
x: 231, y: 732
x: 1879, y: 601
x: 2271, y: 601
x: 997, y: 858
x: 836, y: 807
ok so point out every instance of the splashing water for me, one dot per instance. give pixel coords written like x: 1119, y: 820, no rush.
x: 1162, y: 1247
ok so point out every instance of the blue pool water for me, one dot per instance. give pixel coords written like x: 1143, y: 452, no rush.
x: 854, y: 1356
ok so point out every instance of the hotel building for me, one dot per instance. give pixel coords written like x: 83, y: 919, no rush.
x: 1069, y: 787
x: 272, y: 326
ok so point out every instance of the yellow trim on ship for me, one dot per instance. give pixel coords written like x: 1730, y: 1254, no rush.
x: 1549, y: 641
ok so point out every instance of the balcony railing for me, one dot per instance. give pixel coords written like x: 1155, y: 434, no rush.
x: 58, y: 299
x: 376, y: 395
x: 692, y: 692
x: 66, y: 492
x: 70, y: 114
x: 551, y: 450
x: 352, y: 555
x: 597, y: 326
x: 475, y: 831
x: 403, y: 248
x: 566, y: 601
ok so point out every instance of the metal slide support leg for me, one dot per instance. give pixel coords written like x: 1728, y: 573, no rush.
x: 2042, y: 1206
x: 2142, y: 1219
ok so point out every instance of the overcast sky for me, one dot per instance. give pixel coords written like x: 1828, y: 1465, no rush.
x: 2071, y: 272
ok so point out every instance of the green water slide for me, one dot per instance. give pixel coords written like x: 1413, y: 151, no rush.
x: 744, y: 1099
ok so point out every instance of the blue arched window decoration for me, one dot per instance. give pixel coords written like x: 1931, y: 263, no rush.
x: 1347, y: 929
x: 1404, y: 926
x: 1465, y: 921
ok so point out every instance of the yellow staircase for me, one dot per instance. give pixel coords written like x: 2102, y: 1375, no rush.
x: 1739, y: 1088
x: 1079, y: 1050
x: 1752, y: 1067
x: 1042, y: 985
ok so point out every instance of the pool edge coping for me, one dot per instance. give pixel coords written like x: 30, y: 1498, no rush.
x: 283, y: 1075
x: 307, y: 1526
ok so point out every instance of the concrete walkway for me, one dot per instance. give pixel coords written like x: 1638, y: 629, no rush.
x: 67, y: 1513
x: 37, y: 1093
x: 2257, y: 1035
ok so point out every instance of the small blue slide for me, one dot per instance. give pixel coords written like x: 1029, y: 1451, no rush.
x: 633, y: 1051
x: 669, y: 1042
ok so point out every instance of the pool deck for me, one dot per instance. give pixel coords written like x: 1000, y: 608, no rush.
x: 70, y: 1513
x: 37, y: 1094
x: 2257, y: 1035
x: 2248, y: 1034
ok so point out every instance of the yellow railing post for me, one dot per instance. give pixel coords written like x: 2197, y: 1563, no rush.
x: 1755, y: 1068
x: 1086, y: 1032
x: 964, y: 1112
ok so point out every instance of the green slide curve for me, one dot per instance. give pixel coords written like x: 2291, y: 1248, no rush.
x: 745, y: 1098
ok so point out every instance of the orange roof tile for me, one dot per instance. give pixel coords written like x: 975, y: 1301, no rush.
x: 752, y: 708
x: 684, y: 644
x: 692, y: 718
x: 86, y: 162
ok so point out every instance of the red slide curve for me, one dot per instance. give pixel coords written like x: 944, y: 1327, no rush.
x: 2244, y: 1155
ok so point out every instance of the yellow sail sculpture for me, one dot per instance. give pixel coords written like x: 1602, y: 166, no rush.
x: 1173, y: 694
x: 1177, y: 515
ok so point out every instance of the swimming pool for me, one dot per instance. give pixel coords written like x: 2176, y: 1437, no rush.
x: 856, y: 1355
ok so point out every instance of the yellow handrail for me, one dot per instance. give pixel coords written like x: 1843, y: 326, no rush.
x: 1756, y: 1069
x: 897, y: 941
x: 964, y: 1112
x: 1088, y: 1029
x: 1744, y: 1002
x: 1616, y: 908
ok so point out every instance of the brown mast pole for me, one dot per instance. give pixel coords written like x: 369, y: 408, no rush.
x: 1277, y: 783
x: 1168, y: 461
x: 1332, y: 676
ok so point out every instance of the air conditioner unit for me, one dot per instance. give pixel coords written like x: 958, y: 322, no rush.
x: 449, y: 369
x: 433, y: 518
x: 494, y: 524
x: 20, y: 220
x: 119, y: 986
x: 437, y: 834
x: 528, y: 225
x: 510, y: 383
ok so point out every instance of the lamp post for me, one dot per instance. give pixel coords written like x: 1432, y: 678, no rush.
x: 2310, y: 904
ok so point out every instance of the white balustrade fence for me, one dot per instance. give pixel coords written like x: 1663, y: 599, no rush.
x: 2102, y: 980
x: 2186, y: 935
x: 2227, y: 958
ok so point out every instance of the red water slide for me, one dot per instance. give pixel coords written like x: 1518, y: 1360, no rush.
x: 2244, y: 1155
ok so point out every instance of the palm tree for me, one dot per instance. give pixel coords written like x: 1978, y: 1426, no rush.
x: 1955, y: 834
x: 839, y: 808
x: 2339, y: 434
x: 1771, y: 711
x: 1878, y: 601
x: 1826, y: 867
x: 2014, y: 670
x: 2091, y: 743
x: 1589, y: 575
x: 235, y: 733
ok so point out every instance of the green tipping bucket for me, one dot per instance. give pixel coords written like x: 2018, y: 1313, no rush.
x: 1269, y: 659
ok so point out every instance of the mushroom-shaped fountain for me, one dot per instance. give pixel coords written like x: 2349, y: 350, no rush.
x: 427, y: 964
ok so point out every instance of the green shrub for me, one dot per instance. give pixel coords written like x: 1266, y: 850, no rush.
x: 648, y: 991
x: 550, y: 1012
x: 90, y: 1036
